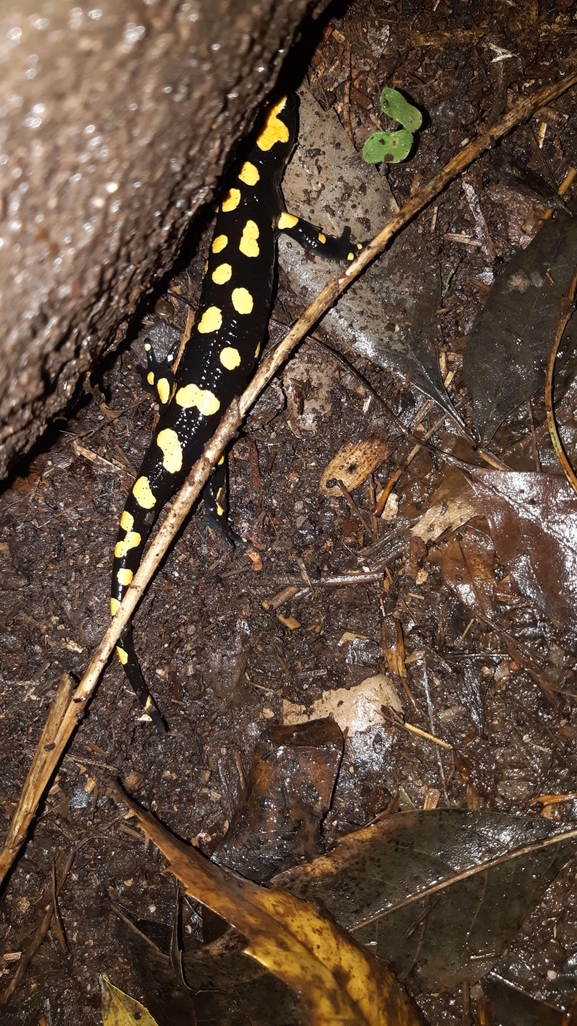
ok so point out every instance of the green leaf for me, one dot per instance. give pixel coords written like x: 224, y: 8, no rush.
x: 393, y: 104
x: 390, y: 147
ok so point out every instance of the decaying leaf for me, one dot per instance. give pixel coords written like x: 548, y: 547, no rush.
x: 511, y: 1007
x: 337, y: 979
x: 506, y: 356
x: 466, y: 560
x: 119, y: 1009
x: 452, y: 505
x: 352, y: 465
x: 533, y: 521
x: 354, y: 709
x: 428, y: 888
x: 277, y: 822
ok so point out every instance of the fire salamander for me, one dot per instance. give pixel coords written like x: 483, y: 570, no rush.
x: 220, y: 357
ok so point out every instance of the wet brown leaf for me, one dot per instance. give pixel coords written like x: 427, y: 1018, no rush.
x: 290, y: 784
x: 512, y: 1007
x: 337, y: 979
x: 427, y: 888
x: 533, y: 522
x: 506, y: 356
x: 467, y: 563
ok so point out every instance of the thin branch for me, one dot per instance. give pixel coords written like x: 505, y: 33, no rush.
x: 567, y: 313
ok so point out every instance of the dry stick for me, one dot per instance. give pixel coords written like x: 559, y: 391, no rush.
x: 37, y: 778
x: 233, y: 418
x: 568, y: 302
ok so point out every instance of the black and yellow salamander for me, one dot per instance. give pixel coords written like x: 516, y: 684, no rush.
x: 221, y: 354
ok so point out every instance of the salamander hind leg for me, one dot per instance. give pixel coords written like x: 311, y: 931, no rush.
x: 215, y: 497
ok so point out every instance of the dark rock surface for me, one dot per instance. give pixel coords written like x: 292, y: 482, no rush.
x: 115, y: 123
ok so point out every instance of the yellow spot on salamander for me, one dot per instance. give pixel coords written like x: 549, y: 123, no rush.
x: 248, y: 243
x: 275, y: 130
x: 230, y: 358
x: 222, y: 274
x: 169, y: 442
x: 242, y: 301
x: 192, y: 395
x: 350, y: 256
x: 143, y: 493
x: 211, y: 320
x: 286, y: 221
x: 122, y: 655
x: 132, y: 541
x: 220, y: 243
x: 219, y: 510
x: 127, y: 521
x: 124, y: 577
x: 231, y: 200
x: 163, y: 389
x: 249, y: 173
x: 114, y: 605
x: 257, y: 352
x: 322, y: 238
x: 220, y: 462
x: 150, y: 377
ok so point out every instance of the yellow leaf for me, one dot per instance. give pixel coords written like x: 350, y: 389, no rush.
x: 338, y: 980
x: 119, y: 1009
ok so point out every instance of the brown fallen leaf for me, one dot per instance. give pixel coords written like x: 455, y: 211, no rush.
x: 338, y: 980
x: 352, y: 465
x: 533, y: 522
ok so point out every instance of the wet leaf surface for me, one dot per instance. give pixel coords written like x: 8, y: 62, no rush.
x: 533, y: 520
x: 290, y: 785
x: 506, y: 355
x: 450, y: 935
x: 512, y: 1007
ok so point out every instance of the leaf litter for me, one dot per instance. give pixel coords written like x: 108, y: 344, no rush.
x: 478, y: 596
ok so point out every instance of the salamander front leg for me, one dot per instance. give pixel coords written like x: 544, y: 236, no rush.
x: 157, y: 376
x: 315, y: 241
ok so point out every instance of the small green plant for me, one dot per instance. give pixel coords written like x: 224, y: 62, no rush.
x: 393, y: 147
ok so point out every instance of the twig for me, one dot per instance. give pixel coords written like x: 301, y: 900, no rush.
x: 238, y: 409
x: 568, y: 302
x: 39, y: 774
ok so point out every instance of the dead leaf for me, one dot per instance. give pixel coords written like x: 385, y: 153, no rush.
x: 337, y: 980
x: 506, y: 355
x: 352, y: 465
x: 354, y: 709
x: 513, y: 1007
x: 533, y: 522
x: 467, y: 564
x: 428, y: 888
x: 452, y: 505
x: 119, y: 1009
x: 277, y: 822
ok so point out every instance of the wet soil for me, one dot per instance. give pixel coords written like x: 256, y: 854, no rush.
x: 220, y: 665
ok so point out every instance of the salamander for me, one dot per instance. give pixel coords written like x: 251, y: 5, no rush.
x: 220, y: 357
